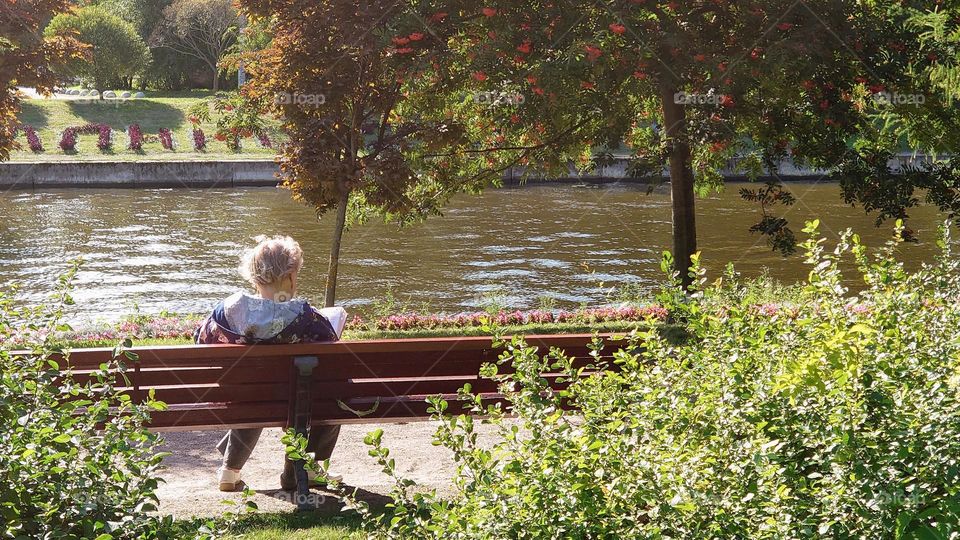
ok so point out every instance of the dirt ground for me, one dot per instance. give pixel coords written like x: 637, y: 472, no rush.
x: 190, y: 487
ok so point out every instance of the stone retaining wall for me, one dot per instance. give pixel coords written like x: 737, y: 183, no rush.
x: 138, y: 174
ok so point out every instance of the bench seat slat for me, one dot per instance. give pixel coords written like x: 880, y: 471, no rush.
x: 221, y: 416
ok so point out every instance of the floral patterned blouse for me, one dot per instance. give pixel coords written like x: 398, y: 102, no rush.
x: 247, y: 320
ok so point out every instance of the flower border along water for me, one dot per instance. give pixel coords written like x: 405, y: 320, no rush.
x: 182, y: 327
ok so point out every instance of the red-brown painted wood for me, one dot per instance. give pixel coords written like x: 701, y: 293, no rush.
x: 231, y: 386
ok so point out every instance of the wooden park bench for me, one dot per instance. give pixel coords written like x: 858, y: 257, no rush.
x: 305, y: 384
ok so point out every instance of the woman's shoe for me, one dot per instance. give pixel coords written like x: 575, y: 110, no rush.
x: 290, y: 483
x: 229, y: 479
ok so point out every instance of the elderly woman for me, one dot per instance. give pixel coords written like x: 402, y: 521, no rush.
x: 272, y: 315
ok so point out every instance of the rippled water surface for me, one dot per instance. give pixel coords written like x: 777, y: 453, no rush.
x: 177, y: 250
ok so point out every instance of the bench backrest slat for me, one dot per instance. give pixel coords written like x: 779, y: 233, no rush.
x: 207, y: 386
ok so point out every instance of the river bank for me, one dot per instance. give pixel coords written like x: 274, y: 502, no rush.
x: 139, y: 174
x: 255, y: 171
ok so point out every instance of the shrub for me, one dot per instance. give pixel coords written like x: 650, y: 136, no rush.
x: 836, y: 416
x: 199, y: 140
x: 33, y: 140
x: 75, y: 459
x: 166, y: 138
x: 135, y: 134
x: 68, y: 140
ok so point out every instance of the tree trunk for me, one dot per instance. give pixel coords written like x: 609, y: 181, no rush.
x: 216, y: 79
x: 681, y: 183
x: 331, y: 293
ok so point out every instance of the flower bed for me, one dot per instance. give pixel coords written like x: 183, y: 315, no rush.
x: 199, y: 140
x: 166, y: 138
x: 136, y: 137
x: 415, y: 321
x: 33, y: 140
x: 68, y: 139
x: 182, y: 327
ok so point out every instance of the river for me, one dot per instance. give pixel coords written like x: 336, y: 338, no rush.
x: 540, y: 245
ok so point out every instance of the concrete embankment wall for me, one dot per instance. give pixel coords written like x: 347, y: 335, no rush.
x: 245, y: 173
x: 138, y: 174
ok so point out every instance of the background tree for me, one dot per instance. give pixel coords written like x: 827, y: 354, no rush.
x: 144, y: 15
x: 201, y: 29
x: 117, y: 53
x: 693, y: 84
x: 167, y: 70
x: 27, y: 58
x: 339, y: 74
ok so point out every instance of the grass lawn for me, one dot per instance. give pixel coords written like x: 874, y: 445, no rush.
x: 158, y: 110
x: 299, y: 526
x: 287, y: 525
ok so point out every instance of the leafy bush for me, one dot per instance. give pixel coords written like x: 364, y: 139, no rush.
x: 834, y: 416
x: 75, y: 459
x: 117, y: 52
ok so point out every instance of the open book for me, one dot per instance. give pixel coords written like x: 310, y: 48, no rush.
x: 337, y: 317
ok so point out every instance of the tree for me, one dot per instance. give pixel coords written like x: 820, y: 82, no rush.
x: 27, y: 58
x: 201, y: 29
x: 117, y: 53
x: 144, y: 15
x: 692, y: 84
x: 339, y: 77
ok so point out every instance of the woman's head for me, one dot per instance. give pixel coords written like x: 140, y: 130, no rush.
x: 272, y: 266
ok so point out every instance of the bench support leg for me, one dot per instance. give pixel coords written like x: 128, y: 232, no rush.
x: 302, y: 407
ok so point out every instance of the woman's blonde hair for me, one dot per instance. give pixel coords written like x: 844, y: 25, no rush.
x: 271, y: 259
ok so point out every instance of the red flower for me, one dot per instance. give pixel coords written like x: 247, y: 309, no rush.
x: 592, y: 52
x: 479, y: 76
x: 722, y: 66
x: 489, y: 11
x: 404, y: 50
x: 877, y: 88
x: 586, y: 85
x: 617, y: 28
x: 825, y: 104
x: 514, y: 118
x: 726, y: 101
x: 400, y: 40
x: 538, y: 91
x: 756, y: 53
x: 416, y: 36
x: 193, y: 119
x: 809, y: 85
x: 220, y: 137
x: 531, y: 79
x: 640, y: 75
x: 492, y: 35
x: 700, y: 57
x: 525, y: 47
x: 785, y: 26
x: 228, y: 108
